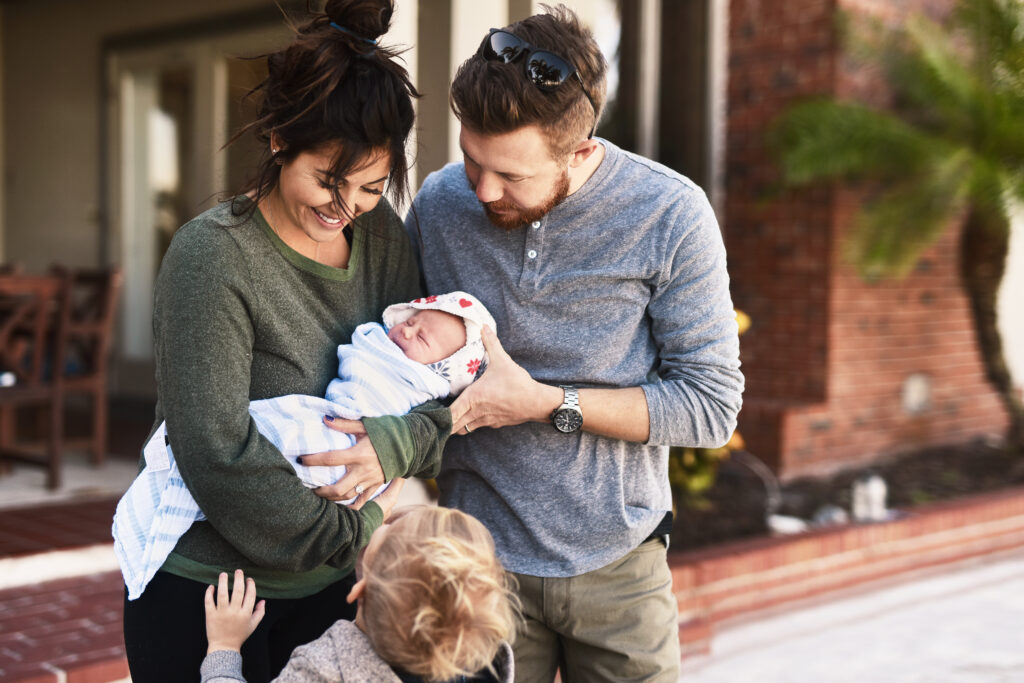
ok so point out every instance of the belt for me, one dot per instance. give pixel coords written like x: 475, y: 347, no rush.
x: 663, y: 530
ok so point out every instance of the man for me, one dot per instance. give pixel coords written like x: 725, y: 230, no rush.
x: 606, y: 275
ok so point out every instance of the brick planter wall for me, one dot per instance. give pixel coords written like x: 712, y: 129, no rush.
x: 740, y: 579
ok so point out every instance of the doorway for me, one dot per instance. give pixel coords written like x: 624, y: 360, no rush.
x: 171, y: 109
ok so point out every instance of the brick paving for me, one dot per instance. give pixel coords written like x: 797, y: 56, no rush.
x: 40, y: 529
x: 70, y: 627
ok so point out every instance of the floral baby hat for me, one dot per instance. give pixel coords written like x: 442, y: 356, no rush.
x: 466, y: 364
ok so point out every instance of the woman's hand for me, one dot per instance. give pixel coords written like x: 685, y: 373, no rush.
x: 504, y: 395
x: 232, y: 618
x: 364, y: 474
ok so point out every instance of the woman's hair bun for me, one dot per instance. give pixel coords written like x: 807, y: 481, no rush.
x: 367, y: 19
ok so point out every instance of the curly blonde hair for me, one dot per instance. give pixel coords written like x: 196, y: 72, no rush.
x: 437, y: 602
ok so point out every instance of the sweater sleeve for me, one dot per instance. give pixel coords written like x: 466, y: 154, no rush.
x: 408, y: 445
x: 694, y: 328
x: 204, y: 312
x: 222, y: 666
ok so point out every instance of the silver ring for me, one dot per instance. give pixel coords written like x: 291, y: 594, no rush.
x: 468, y: 430
x: 359, y: 489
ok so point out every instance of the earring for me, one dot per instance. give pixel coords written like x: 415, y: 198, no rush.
x: 273, y: 150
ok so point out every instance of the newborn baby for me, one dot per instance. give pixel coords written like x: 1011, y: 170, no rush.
x: 426, y: 349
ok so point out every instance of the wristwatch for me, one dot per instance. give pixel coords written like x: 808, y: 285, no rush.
x: 568, y: 417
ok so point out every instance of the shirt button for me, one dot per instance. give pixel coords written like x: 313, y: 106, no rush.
x: 532, y: 253
x: 535, y: 225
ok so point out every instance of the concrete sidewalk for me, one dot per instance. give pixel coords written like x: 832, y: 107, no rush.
x: 961, y: 625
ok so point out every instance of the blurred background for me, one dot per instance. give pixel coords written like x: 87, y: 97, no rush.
x: 114, y: 114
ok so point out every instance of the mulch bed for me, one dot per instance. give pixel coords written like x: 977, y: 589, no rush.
x: 735, y: 507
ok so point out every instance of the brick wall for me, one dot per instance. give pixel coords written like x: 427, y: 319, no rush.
x: 778, y: 250
x: 829, y: 356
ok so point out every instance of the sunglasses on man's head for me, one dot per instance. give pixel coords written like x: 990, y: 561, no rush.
x: 546, y: 70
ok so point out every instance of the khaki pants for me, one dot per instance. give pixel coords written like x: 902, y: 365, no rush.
x: 618, y: 623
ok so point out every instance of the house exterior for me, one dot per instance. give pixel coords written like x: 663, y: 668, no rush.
x: 839, y: 371
x: 113, y: 115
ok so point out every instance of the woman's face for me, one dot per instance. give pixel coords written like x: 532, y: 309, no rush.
x: 305, y: 204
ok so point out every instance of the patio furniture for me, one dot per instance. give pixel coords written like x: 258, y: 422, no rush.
x: 93, y: 301
x: 34, y: 314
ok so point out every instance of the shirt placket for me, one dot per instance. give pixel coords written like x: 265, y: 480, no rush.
x: 532, y: 253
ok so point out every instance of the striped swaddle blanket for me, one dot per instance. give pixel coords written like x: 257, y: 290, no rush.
x: 374, y: 379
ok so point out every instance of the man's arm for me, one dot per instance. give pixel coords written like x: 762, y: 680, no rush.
x: 507, y: 395
x: 693, y: 327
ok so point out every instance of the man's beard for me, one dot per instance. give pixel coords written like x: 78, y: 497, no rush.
x: 516, y: 217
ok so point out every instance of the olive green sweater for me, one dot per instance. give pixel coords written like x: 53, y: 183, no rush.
x: 240, y: 316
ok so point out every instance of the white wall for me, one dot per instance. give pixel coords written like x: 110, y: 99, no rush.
x: 52, y: 116
x: 403, y: 34
x: 471, y: 19
x: 1011, y: 301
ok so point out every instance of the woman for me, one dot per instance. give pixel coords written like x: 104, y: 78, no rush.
x: 252, y: 299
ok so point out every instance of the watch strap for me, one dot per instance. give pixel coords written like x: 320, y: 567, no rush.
x: 571, y: 399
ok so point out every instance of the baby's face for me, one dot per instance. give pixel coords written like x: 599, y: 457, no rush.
x: 429, y: 336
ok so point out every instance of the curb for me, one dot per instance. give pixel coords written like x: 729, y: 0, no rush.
x: 745, y: 579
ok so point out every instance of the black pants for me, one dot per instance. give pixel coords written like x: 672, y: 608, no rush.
x: 165, y: 629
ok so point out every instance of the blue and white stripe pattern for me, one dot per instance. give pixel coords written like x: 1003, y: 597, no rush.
x: 374, y: 379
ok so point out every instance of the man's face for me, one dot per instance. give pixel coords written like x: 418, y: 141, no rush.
x: 513, y: 175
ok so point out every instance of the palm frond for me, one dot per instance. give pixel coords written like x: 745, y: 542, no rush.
x: 925, y: 62
x: 890, y: 232
x: 844, y: 140
x: 995, y: 29
x: 952, y: 136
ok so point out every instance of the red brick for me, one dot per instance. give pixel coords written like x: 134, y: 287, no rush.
x: 100, y: 672
x: 30, y: 673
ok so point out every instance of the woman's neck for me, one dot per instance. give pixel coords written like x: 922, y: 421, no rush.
x: 334, y: 253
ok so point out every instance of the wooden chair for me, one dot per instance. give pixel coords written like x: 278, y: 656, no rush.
x: 93, y: 296
x: 34, y: 313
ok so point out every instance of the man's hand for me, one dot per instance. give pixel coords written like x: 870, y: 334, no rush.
x: 364, y: 474
x: 232, y: 618
x: 504, y: 395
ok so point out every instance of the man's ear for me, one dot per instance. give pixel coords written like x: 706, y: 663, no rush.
x: 356, y: 592
x: 583, y: 152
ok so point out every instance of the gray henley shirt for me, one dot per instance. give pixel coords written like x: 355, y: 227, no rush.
x: 622, y: 284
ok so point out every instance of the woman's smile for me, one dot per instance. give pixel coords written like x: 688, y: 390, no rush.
x: 328, y: 220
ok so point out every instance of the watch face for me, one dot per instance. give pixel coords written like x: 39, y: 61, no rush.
x: 568, y: 420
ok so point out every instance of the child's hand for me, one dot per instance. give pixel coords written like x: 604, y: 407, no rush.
x: 232, y: 619
x: 389, y: 497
